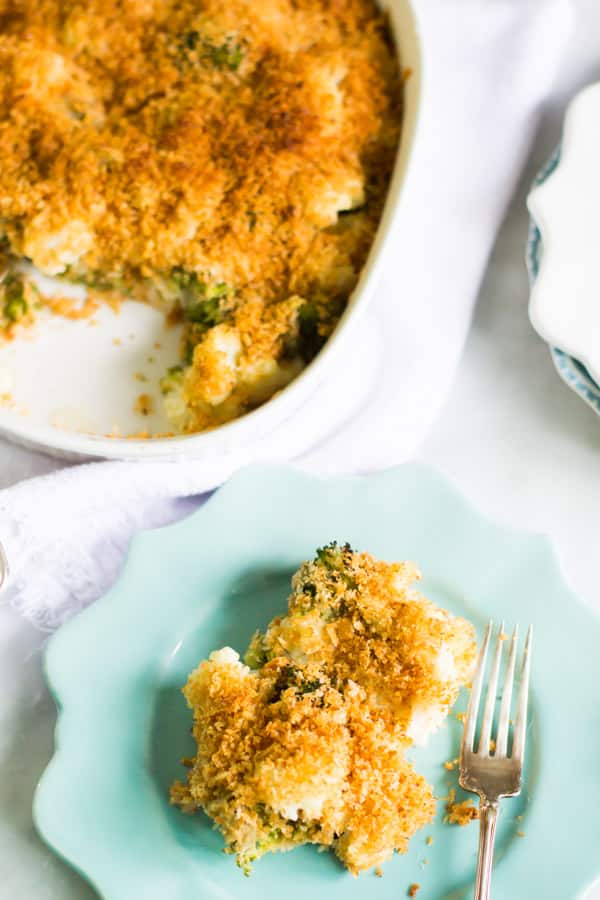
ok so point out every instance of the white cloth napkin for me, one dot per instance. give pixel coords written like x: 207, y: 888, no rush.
x: 488, y: 65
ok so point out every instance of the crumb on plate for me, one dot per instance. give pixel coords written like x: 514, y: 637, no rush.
x: 144, y: 405
x: 460, y: 813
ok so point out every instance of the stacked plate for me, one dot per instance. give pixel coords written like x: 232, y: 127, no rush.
x: 563, y: 252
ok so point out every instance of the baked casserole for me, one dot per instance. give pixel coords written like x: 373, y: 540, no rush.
x: 226, y: 162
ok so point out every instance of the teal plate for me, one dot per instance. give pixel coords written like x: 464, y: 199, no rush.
x: 210, y: 580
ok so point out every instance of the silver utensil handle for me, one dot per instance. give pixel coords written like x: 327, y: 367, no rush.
x: 488, y: 816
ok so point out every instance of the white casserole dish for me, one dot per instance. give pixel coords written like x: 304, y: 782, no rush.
x: 56, y: 381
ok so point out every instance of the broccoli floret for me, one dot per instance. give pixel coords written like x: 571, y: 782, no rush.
x: 16, y: 309
x: 172, y: 380
x: 285, y: 679
x: 205, y: 312
x: 256, y: 655
x: 336, y: 559
x: 292, y: 677
x: 216, y: 291
x: 15, y: 302
x: 184, y: 279
x: 308, y: 687
x: 262, y: 812
x: 201, y: 302
x: 334, y: 556
x: 227, y: 55
x: 309, y: 591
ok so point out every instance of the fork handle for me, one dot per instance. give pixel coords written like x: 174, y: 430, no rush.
x: 488, y: 816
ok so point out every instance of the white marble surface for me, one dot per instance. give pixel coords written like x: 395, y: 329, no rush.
x: 512, y: 436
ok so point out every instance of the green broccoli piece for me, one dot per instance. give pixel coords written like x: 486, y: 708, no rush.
x: 15, y: 302
x: 333, y: 556
x: 172, y: 380
x: 308, y: 687
x: 285, y: 679
x: 224, y: 56
x: 256, y: 655
x: 184, y: 279
x: 201, y: 302
x: 191, y: 287
x: 227, y: 55
x: 292, y: 677
x: 262, y: 812
x: 204, y: 312
x: 208, y: 311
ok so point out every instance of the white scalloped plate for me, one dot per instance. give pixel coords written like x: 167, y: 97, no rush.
x: 564, y: 304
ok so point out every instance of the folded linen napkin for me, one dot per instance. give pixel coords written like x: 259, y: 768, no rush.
x: 487, y: 68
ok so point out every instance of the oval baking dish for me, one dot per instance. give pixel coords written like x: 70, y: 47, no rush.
x: 72, y: 438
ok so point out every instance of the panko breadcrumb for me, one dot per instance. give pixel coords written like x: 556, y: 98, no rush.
x: 364, y: 620
x: 460, y: 812
x: 306, y: 742
x: 227, y: 163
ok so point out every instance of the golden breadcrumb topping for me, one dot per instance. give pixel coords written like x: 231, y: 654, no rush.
x: 460, y: 813
x: 305, y: 745
x: 225, y: 161
x: 365, y: 621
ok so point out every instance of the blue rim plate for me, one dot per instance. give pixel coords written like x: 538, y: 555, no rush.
x: 116, y: 670
x: 572, y: 372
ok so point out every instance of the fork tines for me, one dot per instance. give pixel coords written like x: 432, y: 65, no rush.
x: 520, y: 719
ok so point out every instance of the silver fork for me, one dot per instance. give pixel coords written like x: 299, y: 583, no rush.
x: 495, y: 774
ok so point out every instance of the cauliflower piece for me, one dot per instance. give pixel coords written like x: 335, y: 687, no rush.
x: 214, y: 373
x: 339, y: 194
x: 261, y: 379
x: 52, y: 246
